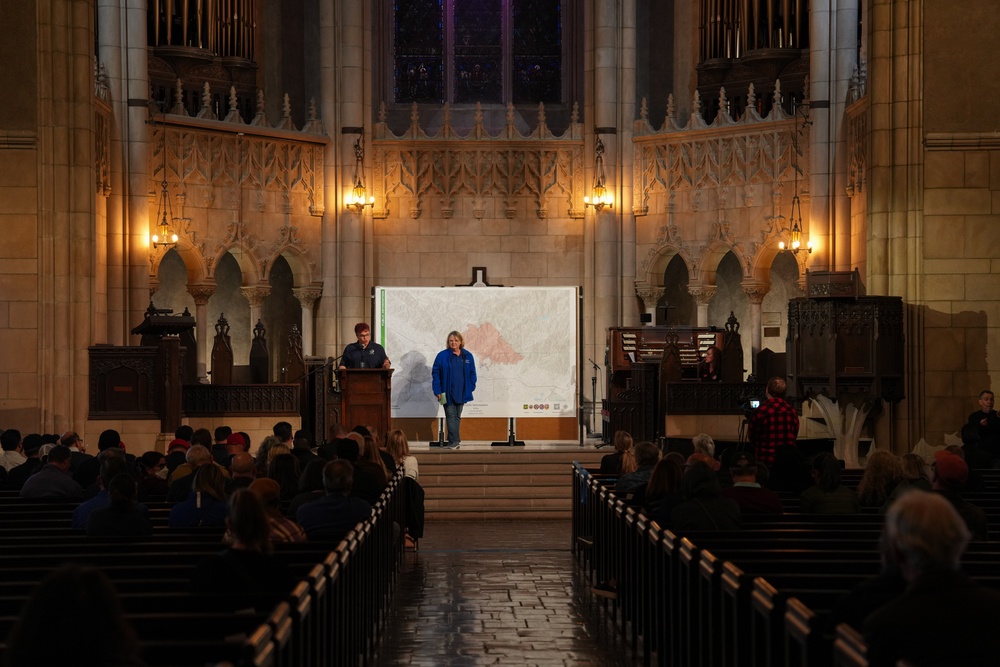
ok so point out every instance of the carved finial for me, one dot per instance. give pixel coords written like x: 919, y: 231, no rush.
x: 723, y: 101
x: 541, y: 113
x: 643, y: 110
x: 415, y: 116
x: 478, y: 117
x: 696, y: 104
x: 260, y: 119
x: 286, y: 114
x: 574, y: 116
x: 671, y: 110
x: 381, y: 111
x: 751, y: 97
x: 446, y: 120
x: 234, y: 107
x: 777, y: 92
x: 732, y: 324
x: 314, y: 124
x: 206, y: 103
x: 510, y: 115
x: 178, y: 107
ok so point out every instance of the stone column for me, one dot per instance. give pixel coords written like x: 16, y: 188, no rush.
x: 650, y: 298
x: 255, y: 294
x: 702, y: 296
x: 755, y: 293
x: 626, y: 101
x: 605, y: 221
x: 201, y: 295
x: 307, y: 297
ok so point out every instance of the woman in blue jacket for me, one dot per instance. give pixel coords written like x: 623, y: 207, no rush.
x: 454, y: 380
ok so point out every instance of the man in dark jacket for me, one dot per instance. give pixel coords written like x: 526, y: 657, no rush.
x: 335, y: 514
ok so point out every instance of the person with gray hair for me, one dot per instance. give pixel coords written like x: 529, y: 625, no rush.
x: 703, y: 444
x: 926, y: 537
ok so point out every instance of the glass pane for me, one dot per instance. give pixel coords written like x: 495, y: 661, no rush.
x: 536, y: 45
x: 478, y: 35
x: 419, y: 44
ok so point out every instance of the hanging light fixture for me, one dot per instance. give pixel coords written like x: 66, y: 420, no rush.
x: 795, y: 232
x: 600, y: 196
x: 358, y: 198
x: 164, y: 235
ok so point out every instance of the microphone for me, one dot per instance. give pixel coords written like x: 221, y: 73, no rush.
x: 594, y: 364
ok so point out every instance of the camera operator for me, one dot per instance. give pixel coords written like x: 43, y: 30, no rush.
x: 774, y: 424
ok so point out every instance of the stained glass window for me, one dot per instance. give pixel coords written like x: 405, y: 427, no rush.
x: 467, y: 51
x: 419, y: 51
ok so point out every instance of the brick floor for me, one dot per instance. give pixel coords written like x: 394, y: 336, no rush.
x: 497, y: 593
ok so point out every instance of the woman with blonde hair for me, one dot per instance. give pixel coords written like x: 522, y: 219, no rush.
x: 611, y: 464
x: 399, y: 449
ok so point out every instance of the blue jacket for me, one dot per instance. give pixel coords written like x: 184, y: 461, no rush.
x: 441, y: 374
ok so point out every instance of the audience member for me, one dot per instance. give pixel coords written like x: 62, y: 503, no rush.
x: 302, y: 447
x: 283, y: 529
x: 699, y: 457
x: 664, y: 490
x: 611, y: 464
x: 310, y: 486
x: 12, y: 454
x: 237, y: 443
x: 151, y: 475
x: 949, y: 473
x: 335, y: 514
x: 122, y: 517
x: 181, y: 479
x: 284, y: 469
x: 399, y: 449
x: 883, y: 472
x: 88, y: 469
x: 828, y: 495
x: 369, y: 479
x: 112, y: 463
x: 244, y: 572
x: 774, y: 424
x: 220, y: 448
x: 97, y: 636
x: 704, y: 506
x: 53, y: 480
x: 645, y: 454
x: 203, y: 437
x: 206, y: 503
x: 242, y: 467
x: 943, y: 617
x: 283, y: 432
x: 76, y: 445
x: 263, y: 457
x: 703, y: 444
x: 31, y: 447
x: 747, y: 491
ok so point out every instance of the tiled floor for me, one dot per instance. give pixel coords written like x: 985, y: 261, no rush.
x: 497, y: 593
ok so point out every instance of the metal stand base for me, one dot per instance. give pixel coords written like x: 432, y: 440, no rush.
x: 511, y: 441
x: 440, y: 442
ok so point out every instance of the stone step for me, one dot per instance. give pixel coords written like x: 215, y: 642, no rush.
x: 478, y: 482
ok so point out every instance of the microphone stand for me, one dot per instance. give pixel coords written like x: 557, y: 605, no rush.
x: 593, y: 397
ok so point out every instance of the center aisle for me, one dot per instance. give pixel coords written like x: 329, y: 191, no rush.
x: 497, y: 593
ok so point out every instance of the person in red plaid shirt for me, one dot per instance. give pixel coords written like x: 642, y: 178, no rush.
x: 774, y: 424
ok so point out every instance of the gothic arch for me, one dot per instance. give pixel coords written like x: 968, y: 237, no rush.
x: 658, y: 260
x: 298, y: 262
x: 251, y: 267
x: 190, y: 254
x: 711, y: 255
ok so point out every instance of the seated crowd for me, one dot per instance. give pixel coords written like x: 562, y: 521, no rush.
x: 927, y: 526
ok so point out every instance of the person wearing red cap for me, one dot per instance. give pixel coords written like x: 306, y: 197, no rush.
x: 364, y: 353
x: 949, y: 472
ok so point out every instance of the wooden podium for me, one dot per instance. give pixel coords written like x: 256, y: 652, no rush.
x: 365, y: 395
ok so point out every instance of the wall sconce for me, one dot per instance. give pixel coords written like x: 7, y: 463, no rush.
x: 600, y: 197
x: 357, y: 198
x: 164, y: 235
x: 795, y: 233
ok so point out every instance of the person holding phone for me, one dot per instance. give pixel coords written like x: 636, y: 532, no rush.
x: 774, y: 424
x: 453, y: 377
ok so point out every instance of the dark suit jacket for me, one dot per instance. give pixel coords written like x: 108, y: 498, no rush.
x: 943, y: 619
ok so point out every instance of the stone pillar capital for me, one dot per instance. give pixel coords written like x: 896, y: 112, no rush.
x: 256, y: 294
x: 307, y: 296
x: 201, y: 293
x: 702, y: 294
x: 755, y: 291
x: 650, y: 294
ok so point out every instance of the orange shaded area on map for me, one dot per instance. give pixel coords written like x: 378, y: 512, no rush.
x: 489, y: 344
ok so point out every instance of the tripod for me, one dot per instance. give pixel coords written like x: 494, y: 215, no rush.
x: 594, y: 414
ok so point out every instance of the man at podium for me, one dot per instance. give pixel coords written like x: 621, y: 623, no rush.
x: 364, y: 353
